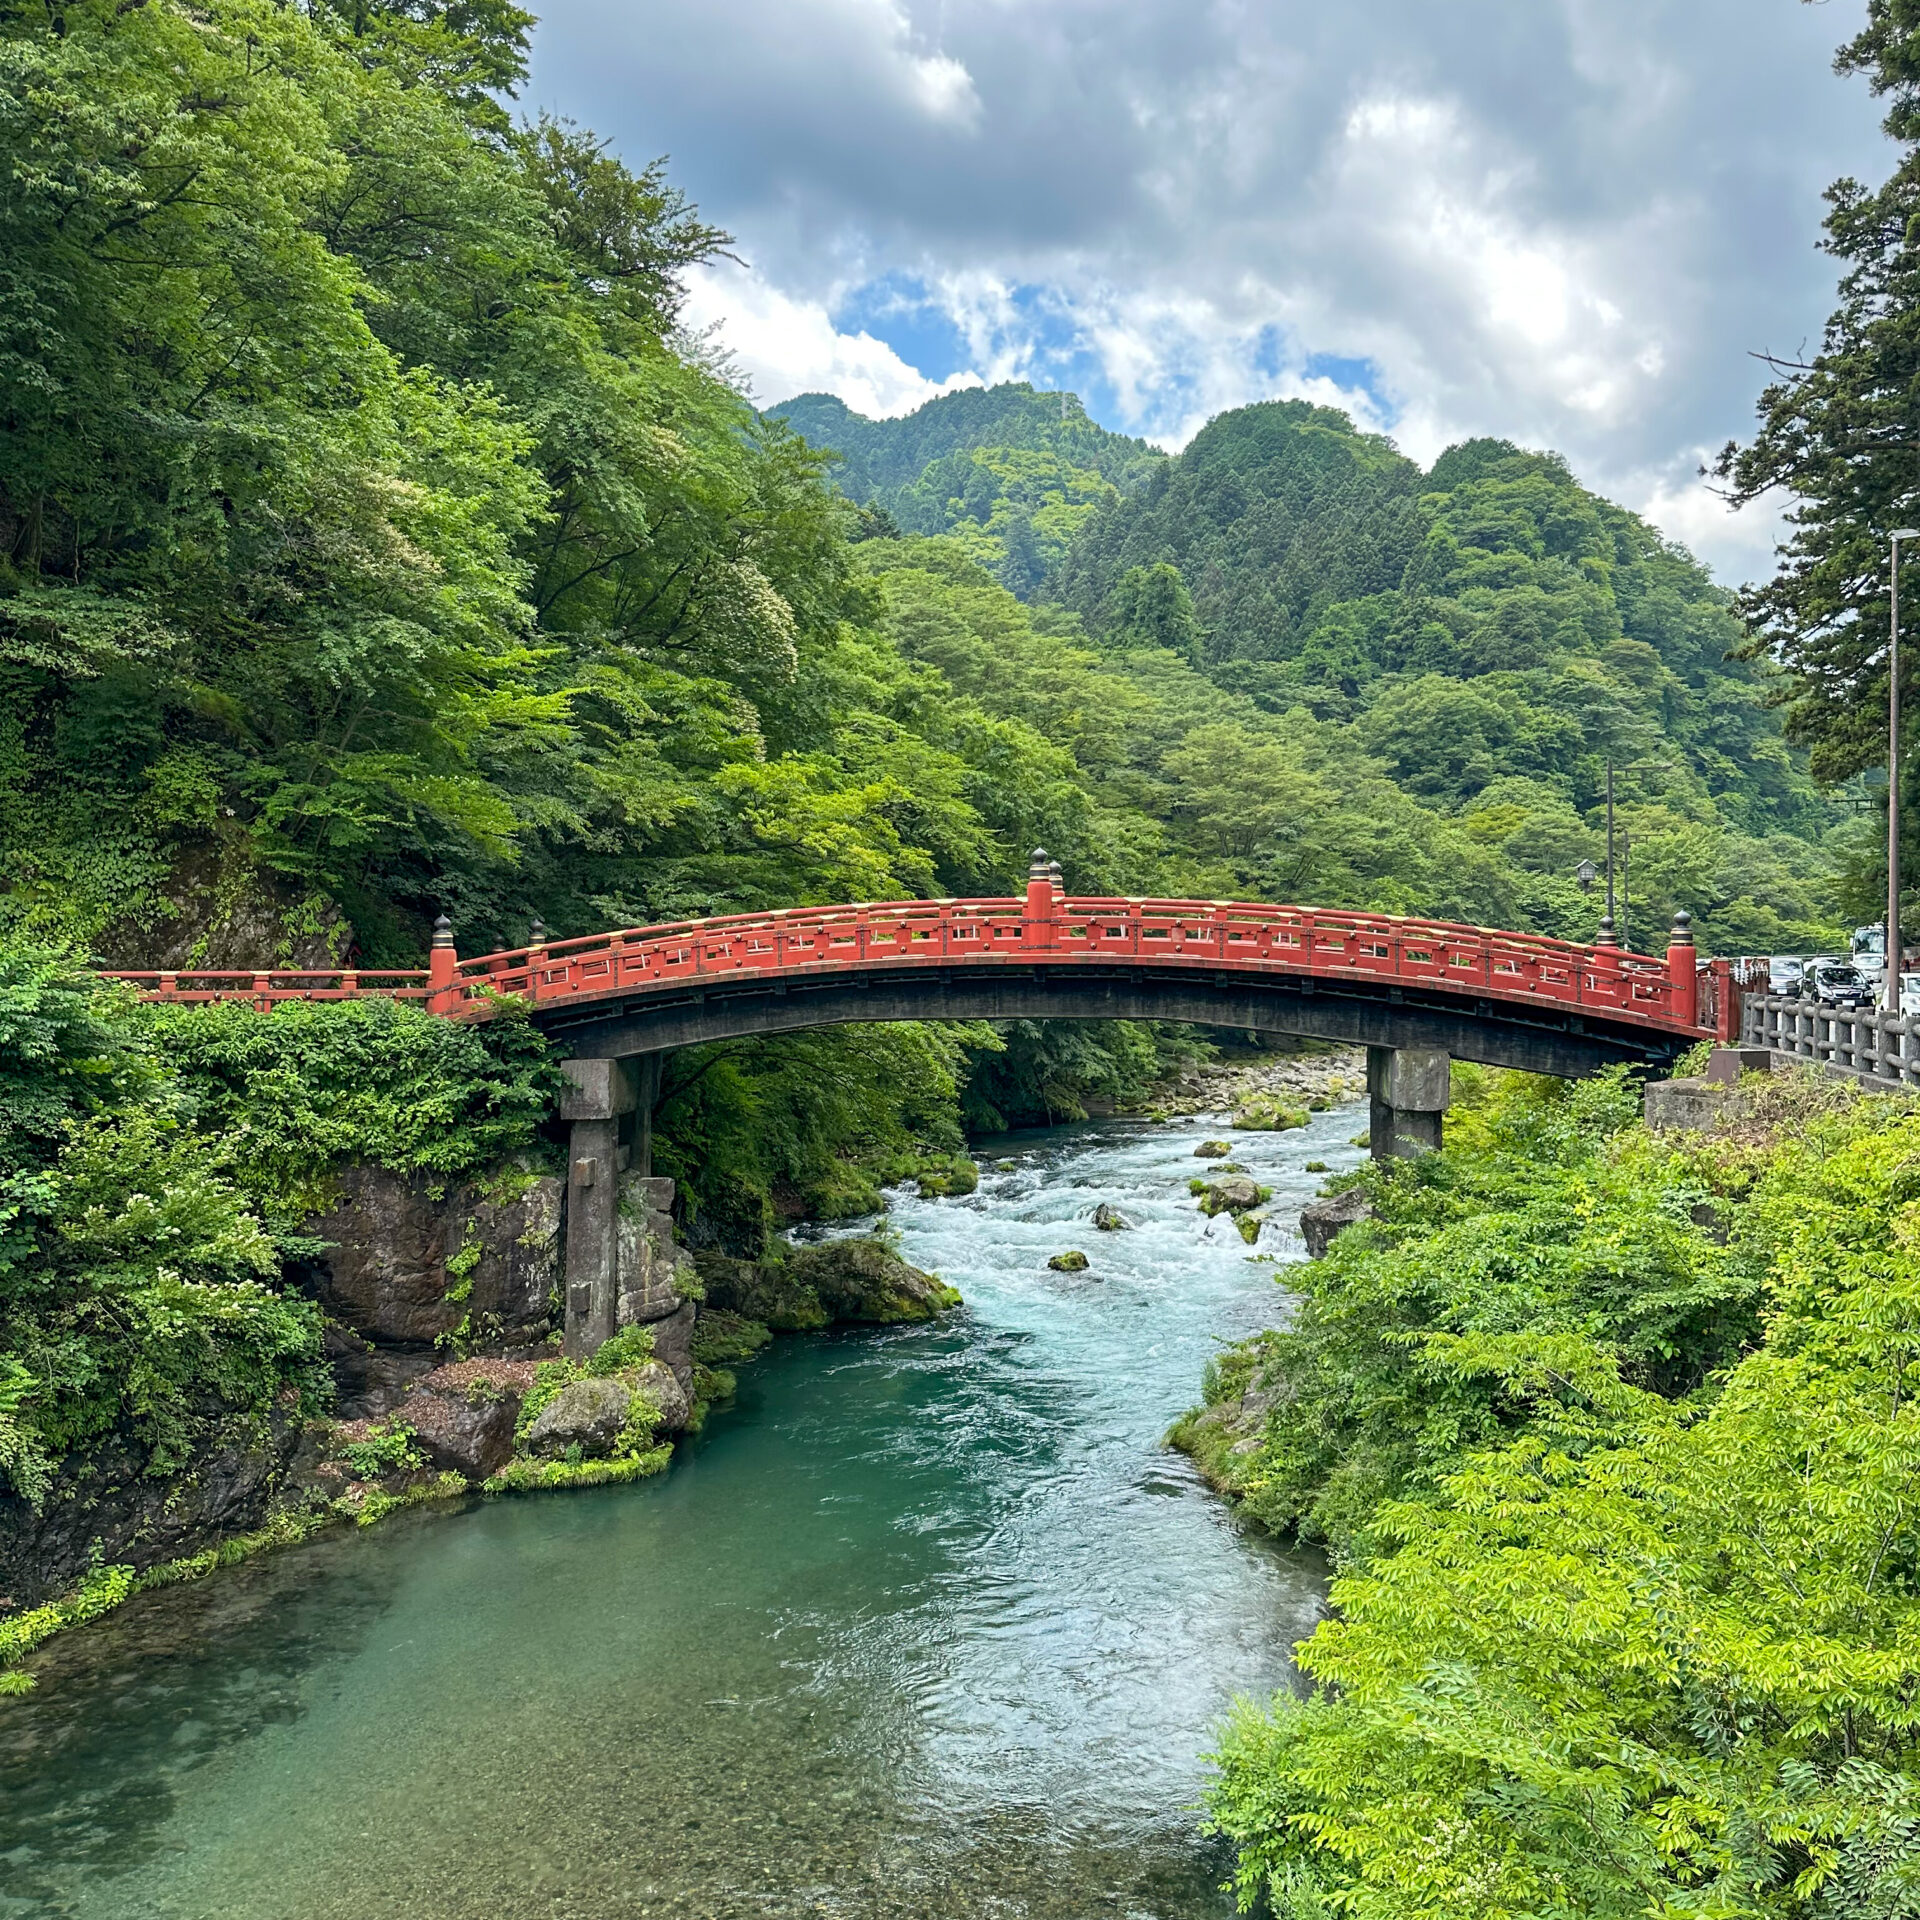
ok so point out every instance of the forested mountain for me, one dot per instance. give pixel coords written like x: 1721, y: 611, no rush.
x: 1011, y: 474
x: 1482, y: 639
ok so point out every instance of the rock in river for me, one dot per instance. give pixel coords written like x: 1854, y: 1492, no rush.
x: 1109, y: 1219
x: 1072, y: 1261
x: 467, y: 1431
x: 1233, y: 1195
x: 1213, y: 1149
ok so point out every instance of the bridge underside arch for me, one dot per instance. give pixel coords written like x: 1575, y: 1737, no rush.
x: 1547, y: 1038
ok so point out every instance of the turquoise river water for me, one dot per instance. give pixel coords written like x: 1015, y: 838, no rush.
x: 929, y: 1622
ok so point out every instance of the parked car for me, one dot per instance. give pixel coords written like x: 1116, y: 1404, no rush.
x: 1910, y: 993
x: 1784, y: 972
x: 1836, y: 983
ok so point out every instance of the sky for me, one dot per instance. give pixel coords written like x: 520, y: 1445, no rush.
x: 1570, y: 223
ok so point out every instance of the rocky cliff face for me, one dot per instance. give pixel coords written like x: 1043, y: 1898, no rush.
x: 109, y: 1507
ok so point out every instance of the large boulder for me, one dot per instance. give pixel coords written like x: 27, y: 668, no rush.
x: 590, y: 1414
x: 856, y: 1279
x: 1235, y: 1194
x: 864, y: 1280
x: 764, y: 1290
x: 1322, y: 1220
x: 668, y: 1393
x: 465, y: 1429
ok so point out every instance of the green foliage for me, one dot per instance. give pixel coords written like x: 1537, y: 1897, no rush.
x: 387, y: 1448
x: 811, y: 1121
x: 541, y: 1476
x: 1629, y: 1611
x: 291, y: 1095
x: 1550, y: 1219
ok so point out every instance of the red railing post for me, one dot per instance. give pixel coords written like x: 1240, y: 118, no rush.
x: 443, y: 966
x: 1683, y: 970
x: 1037, y: 927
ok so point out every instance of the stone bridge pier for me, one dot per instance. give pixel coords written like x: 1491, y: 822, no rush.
x: 1408, y: 1092
x: 623, y: 1268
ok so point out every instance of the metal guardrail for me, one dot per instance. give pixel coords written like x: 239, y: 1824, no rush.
x: 1881, y: 1047
x: 1669, y: 995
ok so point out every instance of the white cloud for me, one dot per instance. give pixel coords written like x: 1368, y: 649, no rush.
x: 1738, y: 547
x: 1564, y: 224
x: 786, y: 346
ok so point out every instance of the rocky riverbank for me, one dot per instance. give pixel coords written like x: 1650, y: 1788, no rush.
x: 1247, y: 1381
x: 1296, y: 1080
x: 443, y: 1343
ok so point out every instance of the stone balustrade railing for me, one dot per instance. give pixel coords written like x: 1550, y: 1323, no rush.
x: 1878, y: 1046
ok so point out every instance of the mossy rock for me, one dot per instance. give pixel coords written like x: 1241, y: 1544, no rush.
x: 1265, y: 1113
x: 1235, y: 1195
x: 961, y: 1176
x: 722, y: 1339
x: 1249, y: 1225
x: 1317, y: 1166
x: 1072, y: 1261
x: 865, y: 1280
x: 1213, y: 1149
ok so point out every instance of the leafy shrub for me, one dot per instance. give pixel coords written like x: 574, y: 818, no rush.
x: 1633, y: 1590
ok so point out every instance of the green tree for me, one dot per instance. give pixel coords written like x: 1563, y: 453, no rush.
x: 1834, y: 434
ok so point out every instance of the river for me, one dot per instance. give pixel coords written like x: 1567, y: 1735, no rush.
x: 927, y: 1623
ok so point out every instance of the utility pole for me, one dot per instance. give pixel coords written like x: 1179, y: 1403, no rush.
x: 1890, y: 982
x: 1613, y: 925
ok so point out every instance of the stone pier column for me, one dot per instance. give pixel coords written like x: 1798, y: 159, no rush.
x: 602, y: 1093
x: 1407, y: 1095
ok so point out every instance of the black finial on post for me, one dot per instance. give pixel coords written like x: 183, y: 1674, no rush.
x: 537, y: 933
x: 443, y: 932
x: 1606, y: 937
x: 1037, y: 866
x: 1682, y: 935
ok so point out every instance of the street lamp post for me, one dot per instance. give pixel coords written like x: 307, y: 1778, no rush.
x: 1890, y: 985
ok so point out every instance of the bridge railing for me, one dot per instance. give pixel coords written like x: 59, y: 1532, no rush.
x: 1184, y: 933
x: 268, y: 988
x: 1223, y: 936
x: 1879, y: 1046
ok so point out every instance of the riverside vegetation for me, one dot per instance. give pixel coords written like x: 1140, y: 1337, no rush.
x: 375, y: 541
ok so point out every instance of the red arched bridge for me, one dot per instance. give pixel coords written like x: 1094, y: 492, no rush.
x: 1414, y: 992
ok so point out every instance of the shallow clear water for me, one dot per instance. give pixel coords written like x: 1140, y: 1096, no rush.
x: 928, y: 1623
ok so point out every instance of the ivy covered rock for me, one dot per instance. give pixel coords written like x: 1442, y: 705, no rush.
x: 1072, y: 1261
x: 1268, y: 1113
